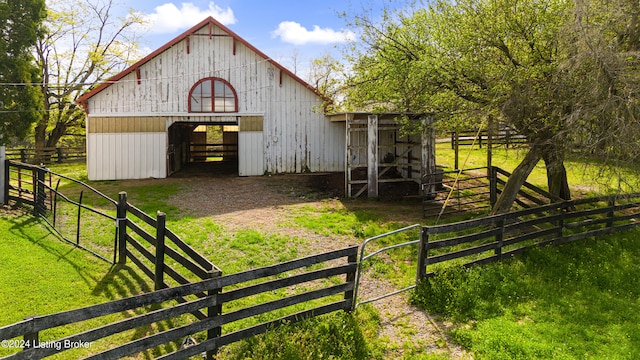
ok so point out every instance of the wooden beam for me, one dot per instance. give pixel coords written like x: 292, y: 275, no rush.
x: 428, y: 153
x: 372, y: 156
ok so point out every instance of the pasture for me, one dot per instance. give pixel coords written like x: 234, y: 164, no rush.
x: 244, y: 223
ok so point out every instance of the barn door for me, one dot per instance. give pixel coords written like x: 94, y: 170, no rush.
x: 250, y: 146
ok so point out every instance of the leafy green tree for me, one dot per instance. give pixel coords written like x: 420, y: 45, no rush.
x: 555, y: 70
x: 20, y: 99
x: 84, y: 43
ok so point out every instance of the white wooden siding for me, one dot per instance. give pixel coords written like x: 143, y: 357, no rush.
x: 250, y: 153
x: 126, y: 156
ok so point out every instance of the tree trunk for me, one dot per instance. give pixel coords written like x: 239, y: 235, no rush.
x: 516, y: 180
x: 557, y: 176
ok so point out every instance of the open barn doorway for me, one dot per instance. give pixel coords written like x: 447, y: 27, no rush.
x: 201, y: 149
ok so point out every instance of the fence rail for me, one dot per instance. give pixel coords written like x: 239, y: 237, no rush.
x: 242, y: 285
x: 477, y: 189
x: 111, y: 230
x: 505, y: 136
x: 493, y: 238
x: 46, y: 155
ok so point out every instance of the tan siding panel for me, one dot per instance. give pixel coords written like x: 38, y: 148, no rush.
x: 251, y: 123
x: 122, y: 125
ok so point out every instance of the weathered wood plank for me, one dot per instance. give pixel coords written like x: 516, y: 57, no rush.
x: 127, y: 324
x: 201, y: 260
x: 146, y: 270
x: 140, y: 231
x: 142, y: 215
x: 289, y: 281
x: 463, y: 239
x: 285, y: 302
x: 531, y: 235
x: 187, y: 263
x: 286, y: 266
x: 213, y: 344
x: 461, y: 253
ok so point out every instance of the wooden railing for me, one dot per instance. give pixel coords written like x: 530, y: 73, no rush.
x: 506, y: 137
x: 477, y: 189
x: 46, y: 155
x: 334, y: 296
x: 496, y: 237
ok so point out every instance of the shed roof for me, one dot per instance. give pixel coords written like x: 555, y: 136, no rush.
x: 210, y: 21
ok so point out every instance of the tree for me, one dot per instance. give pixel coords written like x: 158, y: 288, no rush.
x: 327, y: 75
x: 527, y: 63
x: 20, y: 22
x: 84, y: 44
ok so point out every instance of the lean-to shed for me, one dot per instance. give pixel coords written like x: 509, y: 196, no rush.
x: 208, y: 95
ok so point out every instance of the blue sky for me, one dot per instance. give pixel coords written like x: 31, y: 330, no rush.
x: 284, y: 30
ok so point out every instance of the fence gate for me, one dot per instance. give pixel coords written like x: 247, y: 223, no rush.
x: 363, y: 258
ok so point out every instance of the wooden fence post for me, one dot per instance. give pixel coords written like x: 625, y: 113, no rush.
x: 160, y: 233
x: 351, y: 278
x: 560, y: 222
x: 500, y: 238
x: 121, y: 224
x: 214, y: 311
x: 31, y: 340
x: 423, y: 254
x: 456, y: 151
x: 39, y: 194
x: 611, y: 203
x: 4, y: 177
x: 493, y: 185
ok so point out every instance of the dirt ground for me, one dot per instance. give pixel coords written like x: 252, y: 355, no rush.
x: 265, y: 204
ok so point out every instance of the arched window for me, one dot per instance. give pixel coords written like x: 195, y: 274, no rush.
x: 213, y: 95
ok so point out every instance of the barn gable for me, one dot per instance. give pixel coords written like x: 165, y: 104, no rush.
x: 141, y: 122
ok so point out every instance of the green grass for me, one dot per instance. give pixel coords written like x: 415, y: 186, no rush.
x: 576, y: 301
x: 42, y: 275
x: 585, y: 176
x: 498, y: 312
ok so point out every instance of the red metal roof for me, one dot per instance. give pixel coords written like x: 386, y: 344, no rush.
x: 206, y: 22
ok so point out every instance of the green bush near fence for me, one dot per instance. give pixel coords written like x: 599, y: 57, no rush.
x: 575, y: 301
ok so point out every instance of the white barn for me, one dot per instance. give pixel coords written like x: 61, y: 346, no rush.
x: 143, y: 123
x: 155, y: 117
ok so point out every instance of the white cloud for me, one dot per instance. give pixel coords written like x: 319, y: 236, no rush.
x: 294, y: 33
x: 168, y: 18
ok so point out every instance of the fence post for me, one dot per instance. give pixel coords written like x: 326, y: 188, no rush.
x: 121, y: 224
x: 214, y: 311
x: 160, y: 233
x: 60, y: 155
x: 493, y: 185
x: 31, y: 340
x: 423, y: 253
x: 610, y: 213
x: 40, y: 195
x: 4, y: 178
x: 500, y: 238
x: 351, y: 278
x: 560, y: 234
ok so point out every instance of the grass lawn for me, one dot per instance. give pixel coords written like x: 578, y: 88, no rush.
x: 42, y: 275
x: 575, y: 301
x: 586, y: 177
x: 500, y: 312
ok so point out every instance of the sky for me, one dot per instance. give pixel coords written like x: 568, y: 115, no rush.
x: 284, y: 30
